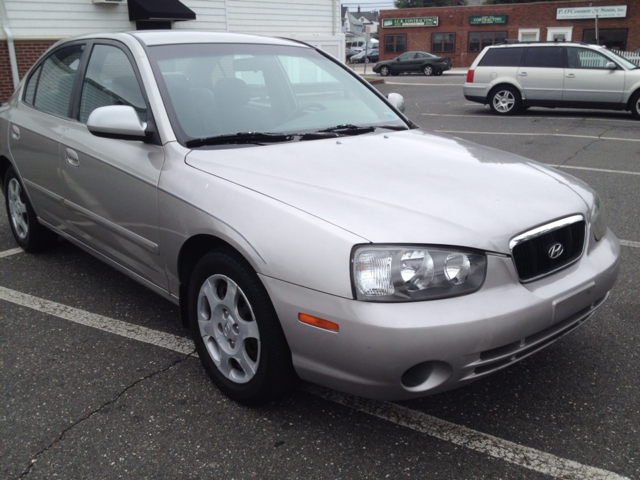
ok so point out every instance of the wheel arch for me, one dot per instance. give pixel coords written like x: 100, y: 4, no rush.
x: 632, y: 96
x: 501, y: 85
x: 5, y: 164
x: 190, y: 254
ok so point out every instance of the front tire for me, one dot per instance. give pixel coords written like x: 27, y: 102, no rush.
x: 635, y: 105
x: 26, y: 229
x: 428, y: 70
x: 505, y: 100
x: 236, y: 331
x: 384, y: 71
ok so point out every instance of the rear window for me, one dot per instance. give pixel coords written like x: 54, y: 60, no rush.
x: 502, y: 57
x: 544, y: 57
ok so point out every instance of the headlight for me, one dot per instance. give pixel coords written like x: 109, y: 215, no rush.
x: 598, y: 217
x: 390, y: 273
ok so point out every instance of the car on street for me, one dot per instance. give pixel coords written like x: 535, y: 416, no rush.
x: 365, y: 57
x: 414, y: 62
x: 512, y: 77
x: 305, y: 227
x: 350, y: 52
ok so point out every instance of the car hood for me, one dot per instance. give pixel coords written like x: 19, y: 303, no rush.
x: 403, y: 187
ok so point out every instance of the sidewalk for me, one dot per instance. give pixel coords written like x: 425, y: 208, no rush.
x: 359, y: 68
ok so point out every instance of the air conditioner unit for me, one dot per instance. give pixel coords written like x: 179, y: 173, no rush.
x: 110, y: 1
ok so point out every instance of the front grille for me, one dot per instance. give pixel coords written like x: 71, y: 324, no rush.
x: 547, y: 250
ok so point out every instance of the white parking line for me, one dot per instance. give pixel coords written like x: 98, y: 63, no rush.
x: 629, y: 243
x: 591, y: 169
x: 591, y: 137
x: 582, y: 119
x: 429, y: 84
x: 472, y: 439
x: 8, y: 253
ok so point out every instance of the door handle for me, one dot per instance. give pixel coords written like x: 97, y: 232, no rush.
x: 571, y: 75
x: 15, y: 132
x: 71, y: 157
x: 523, y: 74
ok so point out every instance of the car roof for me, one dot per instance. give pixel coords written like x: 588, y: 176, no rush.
x: 171, y: 37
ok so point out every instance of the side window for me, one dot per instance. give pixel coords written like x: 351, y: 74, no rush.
x: 110, y: 80
x: 544, y: 57
x: 585, y: 58
x: 52, y: 91
x: 502, y: 57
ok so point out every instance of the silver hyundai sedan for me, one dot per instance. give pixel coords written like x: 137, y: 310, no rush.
x: 306, y: 228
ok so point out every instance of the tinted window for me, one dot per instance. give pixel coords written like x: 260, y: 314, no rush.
x: 110, y: 80
x: 502, y: 57
x: 545, y: 57
x: 56, y: 80
x: 30, y: 91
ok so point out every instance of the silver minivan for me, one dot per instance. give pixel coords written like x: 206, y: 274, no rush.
x: 513, y: 77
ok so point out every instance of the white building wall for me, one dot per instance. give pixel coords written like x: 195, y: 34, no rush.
x: 313, y: 21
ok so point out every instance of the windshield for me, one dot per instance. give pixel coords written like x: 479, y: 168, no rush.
x: 213, y: 90
x: 622, y: 60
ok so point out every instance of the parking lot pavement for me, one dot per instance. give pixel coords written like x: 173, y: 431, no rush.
x: 98, y: 378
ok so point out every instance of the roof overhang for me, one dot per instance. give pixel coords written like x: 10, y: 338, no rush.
x: 159, y: 10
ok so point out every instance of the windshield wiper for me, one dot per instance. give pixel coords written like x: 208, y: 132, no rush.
x: 350, y: 129
x: 240, y: 138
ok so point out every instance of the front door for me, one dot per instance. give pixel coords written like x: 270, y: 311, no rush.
x: 587, y: 80
x: 110, y: 185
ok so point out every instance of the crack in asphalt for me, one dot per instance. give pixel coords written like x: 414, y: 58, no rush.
x: 585, y: 147
x: 34, y: 459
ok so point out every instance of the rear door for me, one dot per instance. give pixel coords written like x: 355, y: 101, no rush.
x: 110, y: 185
x: 542, y: 75
x: 37, y: 125
x: 588, y: 81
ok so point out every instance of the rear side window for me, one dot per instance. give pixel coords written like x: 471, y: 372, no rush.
x: 502, y: 57
x: 544, y: 57
x: 53, y: 89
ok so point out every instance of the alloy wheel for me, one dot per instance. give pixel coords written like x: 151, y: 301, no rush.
x: 503, y: 101
x: 18, y: 209
x: 228, y: 328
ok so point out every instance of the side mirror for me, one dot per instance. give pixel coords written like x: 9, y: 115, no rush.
x: 396, y: 100
x: 117, y: 121
x: 611, y: 66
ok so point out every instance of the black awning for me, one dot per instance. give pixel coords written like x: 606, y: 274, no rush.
x: 154, y: 10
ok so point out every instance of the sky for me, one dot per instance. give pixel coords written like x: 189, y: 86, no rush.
x: 368, y: 5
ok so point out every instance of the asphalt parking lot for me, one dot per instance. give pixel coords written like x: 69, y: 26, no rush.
x: 99, y: 379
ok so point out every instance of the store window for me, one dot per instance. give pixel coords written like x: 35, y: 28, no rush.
x: 559, y: 34
x: 395, y: 43
x: 443, y: 42
x: 479, y: 40
x: 529, y: 34
x: 613, y: 39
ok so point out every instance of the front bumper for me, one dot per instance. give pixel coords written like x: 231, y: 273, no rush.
x: 398, y: 351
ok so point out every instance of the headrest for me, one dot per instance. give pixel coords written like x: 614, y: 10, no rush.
x: 230, y: 92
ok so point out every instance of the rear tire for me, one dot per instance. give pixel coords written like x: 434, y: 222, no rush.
x: 635, y: 105
x: 236, y: 331
x: 505, y: 100
x: 428, y: 70
x: 28, y: 232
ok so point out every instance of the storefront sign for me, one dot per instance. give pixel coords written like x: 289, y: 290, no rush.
x: 410, y: 22
x: 487, y: 19
x: 618, y: 11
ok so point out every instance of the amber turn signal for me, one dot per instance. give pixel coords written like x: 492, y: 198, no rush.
x: 318, y: 322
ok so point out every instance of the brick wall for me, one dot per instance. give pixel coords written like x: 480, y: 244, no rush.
x: 529, y: 15
x: 27, y: 53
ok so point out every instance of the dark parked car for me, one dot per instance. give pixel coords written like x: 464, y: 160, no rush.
x: 423, y: 62
x: 350, y: 52
x: 371, y: 56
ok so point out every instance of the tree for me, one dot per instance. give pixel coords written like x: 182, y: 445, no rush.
x: 427, y: 3
x: 497, y: 2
